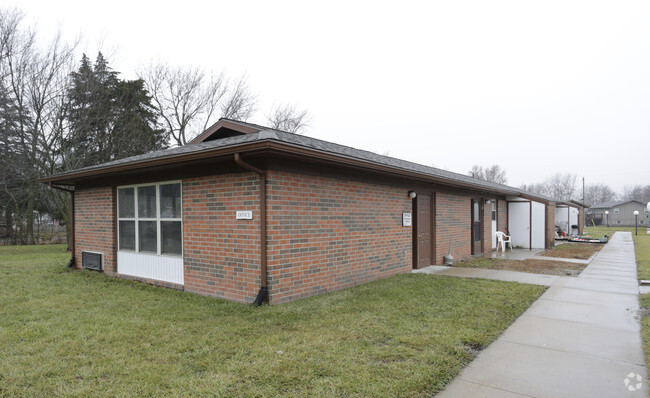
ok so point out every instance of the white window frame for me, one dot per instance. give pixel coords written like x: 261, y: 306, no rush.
x: 615, y: 210
x: 157, y: 219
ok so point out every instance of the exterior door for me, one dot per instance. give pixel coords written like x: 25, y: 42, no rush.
x: 494, y: 224
x: 423, y: 233
x: 477, y: 243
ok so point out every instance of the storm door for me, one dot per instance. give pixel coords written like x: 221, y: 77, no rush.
x: 477, y: 235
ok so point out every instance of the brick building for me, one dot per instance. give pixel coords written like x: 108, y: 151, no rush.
x: 244, y: 212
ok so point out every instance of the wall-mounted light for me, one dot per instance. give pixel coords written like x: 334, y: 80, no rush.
x: 412, y: 194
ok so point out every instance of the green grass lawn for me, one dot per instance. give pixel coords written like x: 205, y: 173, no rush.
x: 81, y: 333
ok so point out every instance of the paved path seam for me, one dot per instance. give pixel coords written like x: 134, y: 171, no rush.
x: 574, y: 353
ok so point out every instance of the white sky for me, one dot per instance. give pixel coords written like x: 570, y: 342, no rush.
x: 537, y: 87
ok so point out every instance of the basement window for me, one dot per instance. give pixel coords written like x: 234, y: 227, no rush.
x: 149, y: 218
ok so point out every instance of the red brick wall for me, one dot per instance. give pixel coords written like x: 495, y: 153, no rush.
x: 326, y: 234
x: 502, y: 215
x: 94, y: 223
x: 221, y: 254
x: 453, y: 221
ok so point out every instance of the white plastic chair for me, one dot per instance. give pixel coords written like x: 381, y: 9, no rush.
x: 502, y: 239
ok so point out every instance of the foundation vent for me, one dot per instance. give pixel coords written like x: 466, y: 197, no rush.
x: 93, y: 261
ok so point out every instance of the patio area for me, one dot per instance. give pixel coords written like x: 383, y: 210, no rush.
x: 517, y: 254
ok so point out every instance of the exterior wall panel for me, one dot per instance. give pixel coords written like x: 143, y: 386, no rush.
x: 94, y: 225
x: 453, y: 223
x: 519, y: 224
x: 327, y: 233
x: 222, y: 254
x: 539, y: 225
x: 148, y: 266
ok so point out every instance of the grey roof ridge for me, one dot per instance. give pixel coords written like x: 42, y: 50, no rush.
x: 604, y: 205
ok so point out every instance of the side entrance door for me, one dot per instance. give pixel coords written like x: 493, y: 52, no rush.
x: 477, y: 242
x: 423, y: 230
x: 494, y: 224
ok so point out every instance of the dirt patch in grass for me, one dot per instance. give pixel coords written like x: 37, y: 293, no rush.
x: 580, y: 251
x: 532, y: 266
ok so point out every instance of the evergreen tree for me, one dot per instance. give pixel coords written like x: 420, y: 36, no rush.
x: 109, y: 118
x: 135, y: 131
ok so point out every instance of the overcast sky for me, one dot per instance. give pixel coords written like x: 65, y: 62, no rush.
x: 536, y: 87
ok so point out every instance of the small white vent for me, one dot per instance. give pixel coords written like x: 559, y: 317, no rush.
x: 93, y: 261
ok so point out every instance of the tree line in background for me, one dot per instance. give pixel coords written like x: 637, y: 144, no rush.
x: 59, y: 113
x: 564, y: 186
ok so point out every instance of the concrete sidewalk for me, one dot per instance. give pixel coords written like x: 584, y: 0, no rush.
x: 580, y: 339
x: 508, y: 276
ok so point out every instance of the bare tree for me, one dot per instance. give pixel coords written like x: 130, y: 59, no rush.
x: 240, y: 103
x: 288, y: 118
x: 598, y: 193
x: 559, y: 186
x: 189, y: 100
x: 33, y: 84
x: 562, y: 186
x: 493, y: 173
x: 637, y: 192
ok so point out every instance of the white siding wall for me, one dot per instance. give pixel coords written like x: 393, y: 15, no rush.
x: 539, y: 225
x: 574, y: 219
x: 161, y: 268
x: 519, y: 223
x: 519, y: 218
x: 561, y: 218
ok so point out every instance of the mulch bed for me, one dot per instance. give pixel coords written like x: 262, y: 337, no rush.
x: 578, y: 251
x: 533, y: 266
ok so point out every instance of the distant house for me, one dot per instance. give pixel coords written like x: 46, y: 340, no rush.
x: 618, y: 213
x: 245, y: 212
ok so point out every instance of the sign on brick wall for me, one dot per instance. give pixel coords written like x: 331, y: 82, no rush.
x: 244, y: 215
x: 406, y: 219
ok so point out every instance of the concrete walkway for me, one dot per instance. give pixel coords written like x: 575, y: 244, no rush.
x: 508, y: 276
x: 579, y: 339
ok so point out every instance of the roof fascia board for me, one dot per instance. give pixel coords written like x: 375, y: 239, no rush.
x: 536, y: 199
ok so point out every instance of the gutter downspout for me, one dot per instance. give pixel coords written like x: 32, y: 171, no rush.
x: 72, y: 240
x: 263, y: 293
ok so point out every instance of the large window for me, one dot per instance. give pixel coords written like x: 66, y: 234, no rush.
x: 149, y: 218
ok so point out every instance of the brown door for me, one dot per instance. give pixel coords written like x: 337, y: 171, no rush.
x: 423, y: 226
x: 477, y: 243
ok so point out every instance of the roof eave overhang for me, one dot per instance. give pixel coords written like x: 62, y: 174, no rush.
x: 71, y: 178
